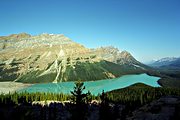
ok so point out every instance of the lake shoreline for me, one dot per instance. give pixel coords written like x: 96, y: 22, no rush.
x: 11, y: 87
x: 95, y: 87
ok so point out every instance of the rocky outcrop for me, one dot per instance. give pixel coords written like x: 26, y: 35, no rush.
x: 166, y: 108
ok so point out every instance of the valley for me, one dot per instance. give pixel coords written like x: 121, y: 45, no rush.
x: 55, y: 58
x: 38, y: 75
x: 89, y: 60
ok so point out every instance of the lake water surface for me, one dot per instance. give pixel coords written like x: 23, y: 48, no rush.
x: 95, y: 87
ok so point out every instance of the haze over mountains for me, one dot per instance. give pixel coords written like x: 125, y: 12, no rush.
x: 55, y: 58
x: 168, y: 62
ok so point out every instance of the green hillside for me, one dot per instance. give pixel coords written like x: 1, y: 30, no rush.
x: 82, y: 71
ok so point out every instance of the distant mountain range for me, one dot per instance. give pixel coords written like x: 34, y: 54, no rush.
x: 55, y: 58
x: 168, y: 62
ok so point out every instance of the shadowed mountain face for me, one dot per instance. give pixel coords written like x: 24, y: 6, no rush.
x: 55, y: 58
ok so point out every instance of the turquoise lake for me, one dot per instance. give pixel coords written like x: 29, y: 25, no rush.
x: 95, y: 87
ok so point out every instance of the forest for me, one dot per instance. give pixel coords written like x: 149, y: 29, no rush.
x: 80, y: 104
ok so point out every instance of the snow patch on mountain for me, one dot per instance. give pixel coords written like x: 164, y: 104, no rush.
x: 138, y: 66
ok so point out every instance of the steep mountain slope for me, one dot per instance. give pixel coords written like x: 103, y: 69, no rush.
x: 55, y: 58
x: 114, y: 55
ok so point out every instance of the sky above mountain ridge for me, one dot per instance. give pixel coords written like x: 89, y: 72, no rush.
x: 149, y: 29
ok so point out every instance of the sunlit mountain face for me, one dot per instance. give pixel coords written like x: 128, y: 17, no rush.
x: 56, y: 58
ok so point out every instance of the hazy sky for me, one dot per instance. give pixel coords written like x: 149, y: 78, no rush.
x: 149, y: 29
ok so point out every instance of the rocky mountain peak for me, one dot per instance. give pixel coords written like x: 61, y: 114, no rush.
x: 167, y: 62
x: 113, y: 54
x: 167, y: 59
x: 126, y: 58
x: 24, y: 41
x: 126, y: 54
x: 55, y: 57
x: 109, y: 49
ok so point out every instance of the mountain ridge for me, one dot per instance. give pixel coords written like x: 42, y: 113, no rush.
x: 56, y: 58
x: 167, y: 62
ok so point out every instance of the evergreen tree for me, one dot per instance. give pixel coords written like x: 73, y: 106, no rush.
x: 105, y: 110
x: 89, y: 97
x: 79, y: 110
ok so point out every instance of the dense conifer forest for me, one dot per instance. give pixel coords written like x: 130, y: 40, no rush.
x: 80, y: 105
x: 137, y: 93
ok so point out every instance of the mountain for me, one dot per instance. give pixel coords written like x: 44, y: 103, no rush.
x: 112, y: 54
x: 169, y: 70
x: 55, y: 58
x: 168, y: 62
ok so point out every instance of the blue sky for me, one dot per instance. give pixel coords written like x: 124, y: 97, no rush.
x: 149, y: 29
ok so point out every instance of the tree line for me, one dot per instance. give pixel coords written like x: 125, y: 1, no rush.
x: 132, y: 97
x: 139, y: 93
